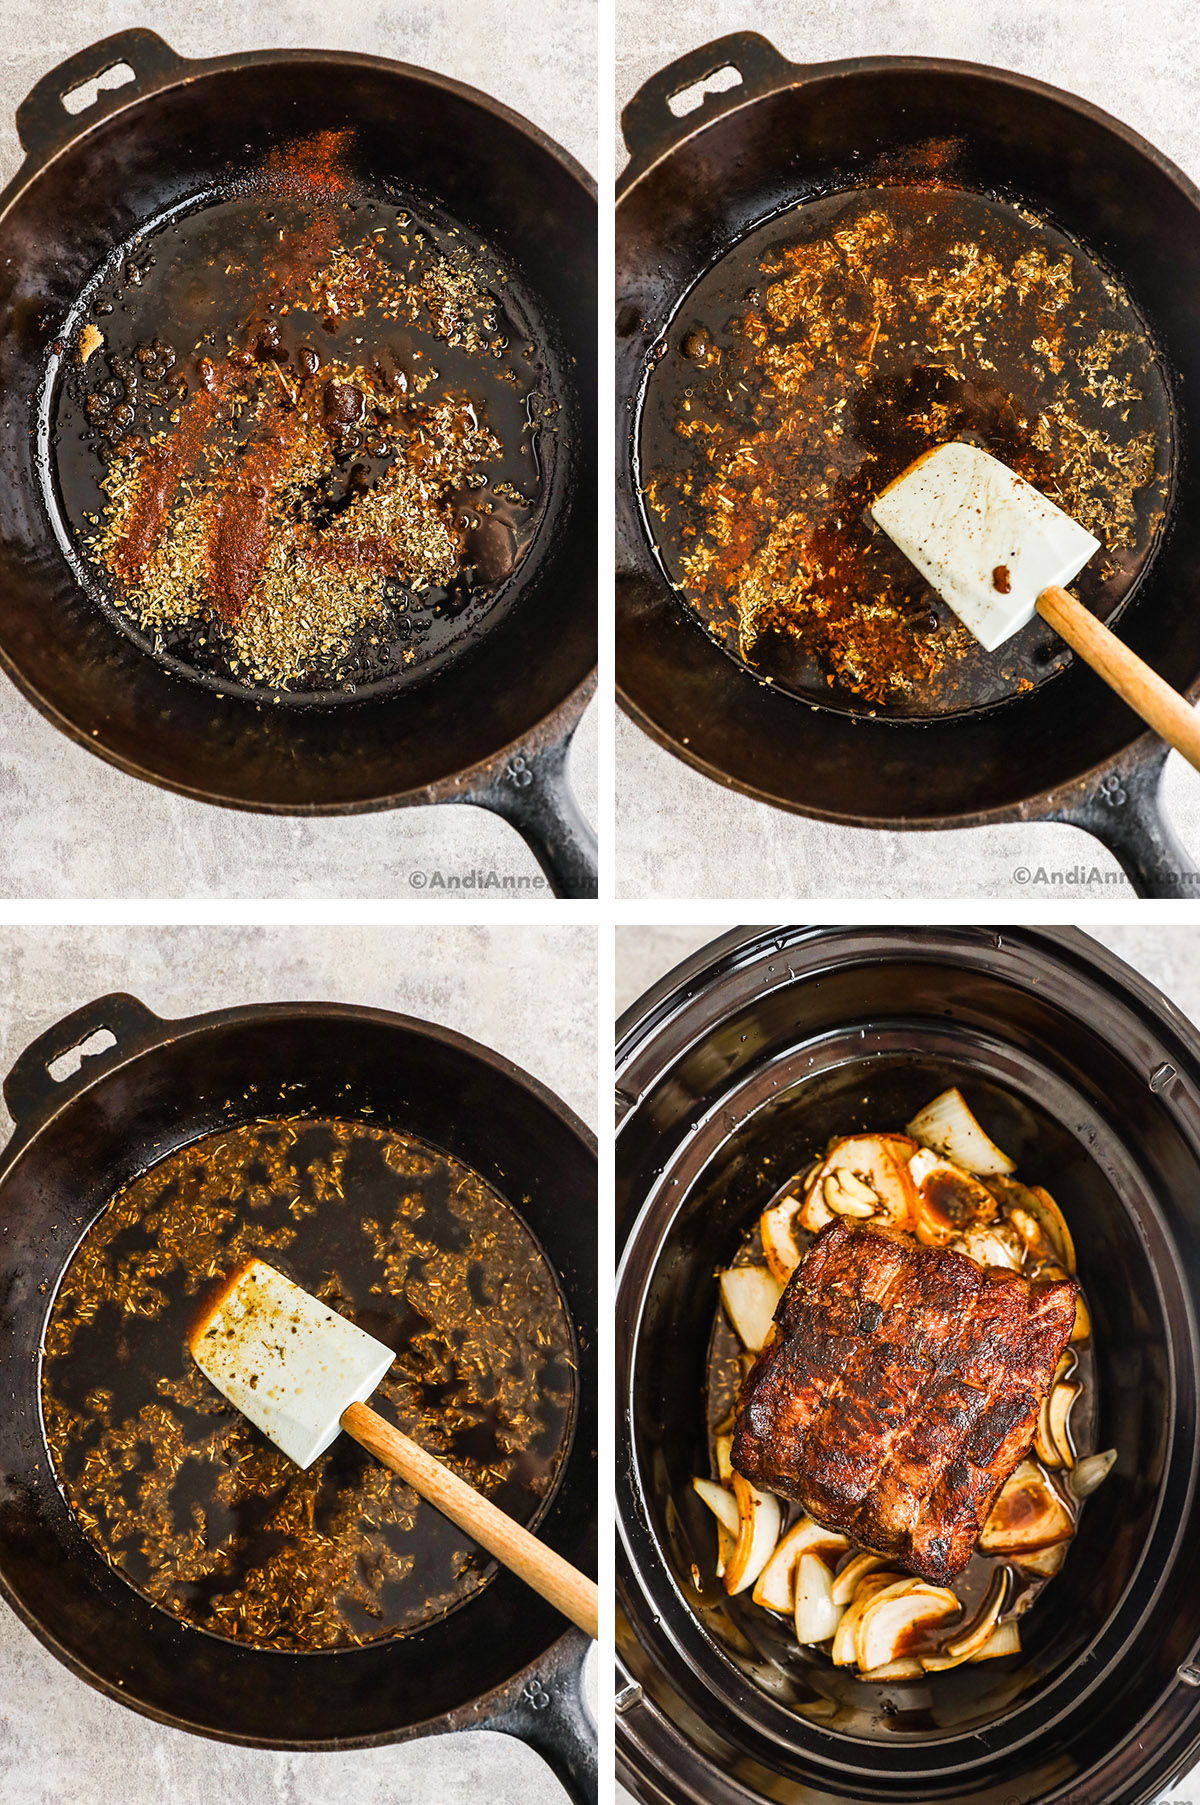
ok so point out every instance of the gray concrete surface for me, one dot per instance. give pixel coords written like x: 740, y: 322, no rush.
x: 69, y: 824
x: 531, y: 994
x: 679, y: 834
x: 1168, y: 956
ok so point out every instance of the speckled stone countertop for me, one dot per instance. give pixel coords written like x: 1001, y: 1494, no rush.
x: 71, y: 825
x: 1169, y: 957
x: 680, y: 834
x: 60, y: 1740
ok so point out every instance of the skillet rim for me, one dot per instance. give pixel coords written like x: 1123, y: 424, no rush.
x: 1141, y: 748
x: 559, y: 721
x: 562, y: 1655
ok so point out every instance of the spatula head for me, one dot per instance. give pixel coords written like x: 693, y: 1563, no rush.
x: 284, y: 1359
x: 984, y: 538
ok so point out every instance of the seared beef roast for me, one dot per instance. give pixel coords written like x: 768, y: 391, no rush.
x: 900, y: 1390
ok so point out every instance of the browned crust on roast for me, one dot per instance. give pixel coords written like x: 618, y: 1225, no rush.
x: 900, y: 1391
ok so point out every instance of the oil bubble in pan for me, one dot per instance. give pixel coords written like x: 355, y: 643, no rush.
x: 822, y: 354
x: 297, y: 449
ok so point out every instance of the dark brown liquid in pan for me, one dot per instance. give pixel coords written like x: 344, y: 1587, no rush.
x: 810, y: 367
x: 396, y: 335
x: 194, y: 1506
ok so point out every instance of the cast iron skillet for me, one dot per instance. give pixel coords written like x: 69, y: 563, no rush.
x: 730, y: 1072
x: 503, y: 1661
x: 1068, y: 752
x: 493, y: 727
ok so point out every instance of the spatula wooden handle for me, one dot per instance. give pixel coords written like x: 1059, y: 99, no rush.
x: 568, y: 1590
x: 1156, y: 702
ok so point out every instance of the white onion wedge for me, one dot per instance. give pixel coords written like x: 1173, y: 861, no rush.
x: 1027, y: 1515
x: 722, y: 1503
x: 907, y: 1668
x: 775, y: 1588
x: 775, y: 1227
x: 989, y: 1247
x: 948, y: 1126
x: 723, y: 1449
x: 817, y: 1617
x: 1034, y: 1235
x: 751, y: 1297
x: 847, y: 1582
x: 1083, y: 1320
x: 966, y: 1642
x: 815, y: 1213
x: 1054, y: 1223
x: 726, y: 1543
x: 1092, y: 1471
x: 950, y: 1202
x: 844, y: 1652
x: 923, y: 1161
x: 1061, y: 1399
x: 1043, y: 1440
x: 896, y: 1617
x: 1045, y: 1562
x: 1005, y: 1639
x: 758, y: 1532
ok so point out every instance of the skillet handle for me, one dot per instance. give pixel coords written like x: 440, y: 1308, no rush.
x: 549, y: 1713
x: 31, y: 1094
x: 532, y: 792
x: 1124, y: 812
x: 42, y: 120
x: 651, y: 128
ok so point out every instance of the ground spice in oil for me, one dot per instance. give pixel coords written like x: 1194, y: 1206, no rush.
x: 189, y: 1502
x: 348, y: 449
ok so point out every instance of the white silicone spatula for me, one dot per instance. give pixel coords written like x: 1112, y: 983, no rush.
x: 302, y: 1374
x: 999, y: 552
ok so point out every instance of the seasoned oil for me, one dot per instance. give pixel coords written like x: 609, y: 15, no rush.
x: 817, y: 360
x: 187, y: 1500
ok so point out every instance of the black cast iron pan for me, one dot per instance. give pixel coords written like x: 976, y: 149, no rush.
x: 730, y: 1072
x: 1068, y: 751
x: 492, y: 725
x: 503, y: 1662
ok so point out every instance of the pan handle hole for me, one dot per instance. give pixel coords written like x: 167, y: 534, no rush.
x: 68, y: 1063
x: 76, y: 100
x: 719, y: 82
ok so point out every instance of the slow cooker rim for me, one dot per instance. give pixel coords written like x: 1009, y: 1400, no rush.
x: 648, y: 1238
x: 667, y: 1005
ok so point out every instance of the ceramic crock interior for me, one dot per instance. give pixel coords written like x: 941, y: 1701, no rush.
x: 863, y: 1048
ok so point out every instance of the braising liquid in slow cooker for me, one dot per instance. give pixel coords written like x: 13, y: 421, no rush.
x: 302, y: 434
x: 187, y: 1500
x: 824, y: 353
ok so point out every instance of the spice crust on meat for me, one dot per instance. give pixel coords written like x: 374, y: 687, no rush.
x: 901, y: 1389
